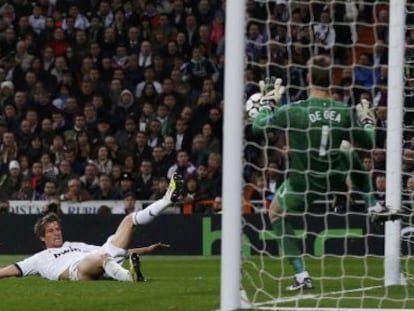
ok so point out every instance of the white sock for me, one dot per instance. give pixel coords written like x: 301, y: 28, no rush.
x: 149, y: 213
x: 301, y: 276
x: 116, y: 271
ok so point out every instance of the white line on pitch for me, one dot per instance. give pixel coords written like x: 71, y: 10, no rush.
x: 315, y: 296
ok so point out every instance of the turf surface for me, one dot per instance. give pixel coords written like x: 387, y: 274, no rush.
x: 173, y: 283
x: 347, y: 282
x: 193, y: 284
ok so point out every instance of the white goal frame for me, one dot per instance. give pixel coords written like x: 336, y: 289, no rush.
x: 231, y: 295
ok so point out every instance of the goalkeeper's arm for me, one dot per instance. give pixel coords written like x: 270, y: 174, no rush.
x: 270, y: 99
x: 263, y: 120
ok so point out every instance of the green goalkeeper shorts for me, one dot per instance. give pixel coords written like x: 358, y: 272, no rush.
x: 294, y: 201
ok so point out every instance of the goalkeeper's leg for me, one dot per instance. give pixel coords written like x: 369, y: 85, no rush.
x: 361, y: 181
x: 289, y: 244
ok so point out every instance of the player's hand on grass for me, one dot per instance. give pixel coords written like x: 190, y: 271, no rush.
x: 148, y: 249
x: 156, y: 246
x: 365, y: 113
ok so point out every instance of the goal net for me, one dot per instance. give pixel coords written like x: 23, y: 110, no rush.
x: 343, y: 250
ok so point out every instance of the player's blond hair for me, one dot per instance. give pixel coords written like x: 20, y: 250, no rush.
x: 39, y: 227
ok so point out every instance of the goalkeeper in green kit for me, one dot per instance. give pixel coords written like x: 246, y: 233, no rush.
x: 315, y: 132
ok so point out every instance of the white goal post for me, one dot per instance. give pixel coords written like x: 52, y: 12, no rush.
x: 394, y: 139
x: 232, y: 155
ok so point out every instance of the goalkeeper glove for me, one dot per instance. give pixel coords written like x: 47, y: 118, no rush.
x: 272, y: 91
x: 365, y: 113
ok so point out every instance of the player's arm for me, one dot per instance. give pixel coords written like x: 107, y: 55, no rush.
x: 9, y: 271
x: 148, y: 249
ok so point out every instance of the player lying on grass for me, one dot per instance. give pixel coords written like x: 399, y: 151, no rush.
x: 313, y: 132
x: 79, y: 261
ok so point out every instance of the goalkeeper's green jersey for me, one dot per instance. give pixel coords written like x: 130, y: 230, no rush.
x: 315, y: 129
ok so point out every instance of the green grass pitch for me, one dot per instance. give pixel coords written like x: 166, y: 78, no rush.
x: 173, y: 283
x: 192, y: 283
x: 339, y: 281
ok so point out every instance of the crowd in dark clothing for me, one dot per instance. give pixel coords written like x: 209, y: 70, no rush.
x: 133, y: 90
x: 125, y: 91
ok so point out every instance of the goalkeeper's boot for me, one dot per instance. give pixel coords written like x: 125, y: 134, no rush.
x: 305, y: 284
x: 175, y: 188
x: 135, y: 268
x: 380, y: 213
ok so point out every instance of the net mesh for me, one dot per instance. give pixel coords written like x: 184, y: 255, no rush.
x: 343, y: 249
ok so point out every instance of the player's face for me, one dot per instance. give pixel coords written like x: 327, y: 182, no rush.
x: 53, y: 235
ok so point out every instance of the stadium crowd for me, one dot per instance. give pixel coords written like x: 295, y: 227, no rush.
x: 112, y: 97
x: 102, y: 100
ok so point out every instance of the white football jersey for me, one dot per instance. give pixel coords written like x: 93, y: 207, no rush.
x: 52, y: 262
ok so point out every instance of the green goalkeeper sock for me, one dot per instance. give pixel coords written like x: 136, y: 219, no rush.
x: 289, y: 244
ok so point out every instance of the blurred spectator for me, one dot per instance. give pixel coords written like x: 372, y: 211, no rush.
x: 183, y: 166
x: 324, y: 34
x: 379, y: 184
x: 26, y: 191
x: 149, y: 79
x: 8, y: 148
x: 159, y: 162
x: 155, y: 137
x: 4, y: 207
x: 125, y: 107
x: 24, y: 165
x: 125, y: 136
x: 10, y: 181
x: 90, y: 179
x: 105, y: 190
x: 105, y: 13
x: 214, y: 172
x: 212, y: 142
x: 113, y: 147
x: 126, y: 184
x: 59, y: 44
x: 217, y: 205
x: 81, y: 22
x: 50, y: 192
x: 145, y: 181
x: 75, y: 193
x: 169, y: 150
x: 161, y: 185
x: 255, y: 47
x: 129, y: 165
x: 103, y: 161
x: 197, y: 69
x: 146, y: 102
x: 365, y: 75
x: 381, y: 25
x: 83, y: 146
x: 199, y: 153
x: 129, y: 202
x: 38, y: 181
x: 141, y: 148
x: 163, y: 116
x: 182, y: 136
x: 49, y: 170
x: 104, y: 210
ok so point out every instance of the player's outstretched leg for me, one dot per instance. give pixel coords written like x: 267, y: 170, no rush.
x: 171, y: 196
